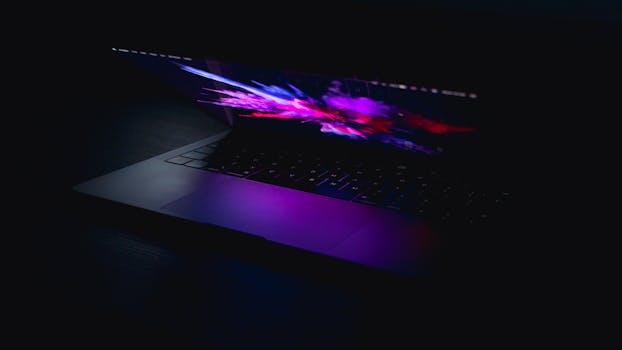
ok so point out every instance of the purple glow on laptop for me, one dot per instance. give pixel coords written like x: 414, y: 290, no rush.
x: 335, y: 111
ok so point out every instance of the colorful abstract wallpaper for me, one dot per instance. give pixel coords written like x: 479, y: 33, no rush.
x: 334, y: 112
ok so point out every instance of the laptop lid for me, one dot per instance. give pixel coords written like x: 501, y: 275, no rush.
x: 400, y: 117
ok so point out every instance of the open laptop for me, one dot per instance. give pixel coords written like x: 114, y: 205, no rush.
x: 371, y: 172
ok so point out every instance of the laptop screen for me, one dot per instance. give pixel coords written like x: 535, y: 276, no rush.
x: 421, y: 119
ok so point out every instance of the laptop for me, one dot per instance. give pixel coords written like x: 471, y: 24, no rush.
x: 368, y: 171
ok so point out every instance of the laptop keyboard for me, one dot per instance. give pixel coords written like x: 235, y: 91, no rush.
x: 395, y: 186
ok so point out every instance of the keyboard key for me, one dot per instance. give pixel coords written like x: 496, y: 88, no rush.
x: 365, y: 199
x: 336, y: 192
x: 214, y: 167
x: 318, y: 173
x: 312, y: 180
x: 273, y: 172
x: 196, y: 164
x: 355, y: 188
x: 376, y: 195
x: 179, y: 160
x: 338, y: 176
x: 195, y: 155
x: 235, y: 173
x: 393, y: 206
x: 268, y: 176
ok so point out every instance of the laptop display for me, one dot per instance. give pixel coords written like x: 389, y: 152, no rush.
x: 431, y: 121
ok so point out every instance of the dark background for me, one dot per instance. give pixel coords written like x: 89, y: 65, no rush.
x: 90, y: 272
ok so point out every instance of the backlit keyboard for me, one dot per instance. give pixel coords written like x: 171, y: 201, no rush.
x: 398, y: 186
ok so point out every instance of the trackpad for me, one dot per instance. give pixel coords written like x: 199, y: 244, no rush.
x: 279, y: 214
